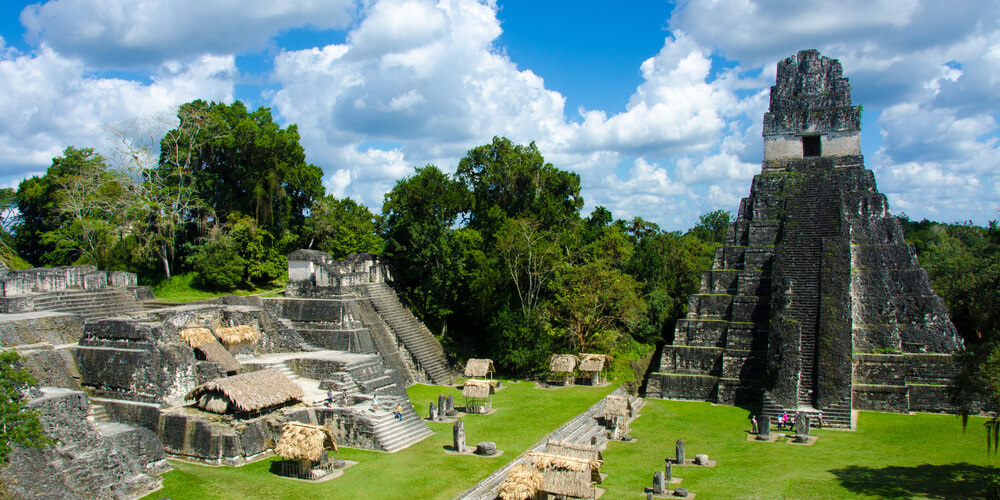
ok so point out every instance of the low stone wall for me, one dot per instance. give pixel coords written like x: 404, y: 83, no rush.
x: 682, y: 386
x: 891, y: 398
x: 34, y: 328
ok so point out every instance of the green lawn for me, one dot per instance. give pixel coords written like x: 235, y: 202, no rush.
x: 524, y: 415
x: 180, y: 288
x: 889, y: 456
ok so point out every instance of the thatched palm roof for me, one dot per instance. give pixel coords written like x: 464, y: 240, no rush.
x: 563, y: 362
x: 478, y: 389
x: 252, y: 391
x: 214, y: 352
x: 300, y: 441
x: 522, y: 483
x: 617, y: 405
x: 478, y: 368
x: 593, y: 362
x: 574, y: 450
x: 195, y: 337
x: 233, y: 335
x: 562, y: 475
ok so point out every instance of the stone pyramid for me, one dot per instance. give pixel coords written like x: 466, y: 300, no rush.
x: 816, y: 302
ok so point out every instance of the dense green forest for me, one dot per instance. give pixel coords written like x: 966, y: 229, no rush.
x: 496, y: 258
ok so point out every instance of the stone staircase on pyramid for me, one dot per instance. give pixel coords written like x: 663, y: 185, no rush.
x: 413, y: 337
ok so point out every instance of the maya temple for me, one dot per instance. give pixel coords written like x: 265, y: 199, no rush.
x: 815, y: 302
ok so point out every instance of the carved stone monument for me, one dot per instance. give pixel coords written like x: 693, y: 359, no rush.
x: 458, y: 432
x: 659, y: 485
x: 679, y: 448
x: 442, y: 407
x: 433, y: 413
x: 451, y: 406
x: 765, y: 428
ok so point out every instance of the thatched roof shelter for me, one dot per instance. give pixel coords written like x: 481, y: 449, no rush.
x: 247, y: 392
x: 563, y: 475
x: 573, y: 450
x: 478, y: 389
x: 522, y: 483
x: 593, y: 362
x: 479, y: 368
x: 300, y: 441
x: 618, y: 406
x: 195, y: 337
x: 214, y: 352
x: 239, y: 334
x: 563, y: 363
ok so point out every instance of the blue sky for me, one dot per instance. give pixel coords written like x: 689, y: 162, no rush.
x: 657, y: 105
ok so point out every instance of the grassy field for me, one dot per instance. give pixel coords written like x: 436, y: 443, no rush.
x: 524, y: 415
x: 889, y: 456
x: 181, y: 289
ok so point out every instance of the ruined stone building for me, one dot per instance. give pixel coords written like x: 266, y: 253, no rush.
x: 215, y: 380
x: 815, y: 302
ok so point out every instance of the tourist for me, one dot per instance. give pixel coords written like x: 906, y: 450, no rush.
x: 819, y: 419
x: 753, y: 424
x: 329, y: 398
x: 344, y: 398
x: 398, y: 413
x: 374, y: 403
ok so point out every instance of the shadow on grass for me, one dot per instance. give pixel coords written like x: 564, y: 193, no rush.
x: 932, y: 481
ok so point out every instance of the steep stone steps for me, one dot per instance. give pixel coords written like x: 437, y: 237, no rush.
x: 411, y: 333
x: 394, y: 435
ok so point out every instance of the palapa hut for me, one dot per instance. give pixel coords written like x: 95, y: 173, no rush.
x: 565, y: 364
x: 574, y: 450
x: 247, y: 393
x: 617, y: 412
x: 478, y: 395
x: 523, y: 482
x: 479, y: 368
x: 594, y: 364
x: 239, y: 334
x: 208, y: 349
x: 303, y: 446
x: 567, y: 475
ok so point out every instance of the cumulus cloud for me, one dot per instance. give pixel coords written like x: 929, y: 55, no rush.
x: 50, y: 102
x: 124, y: 33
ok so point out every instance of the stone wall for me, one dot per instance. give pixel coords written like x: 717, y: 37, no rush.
x: 33, y: 328
x: 89, y: 461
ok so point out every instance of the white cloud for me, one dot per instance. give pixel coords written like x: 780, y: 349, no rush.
x: 50, y: 102
x: 125, y: 33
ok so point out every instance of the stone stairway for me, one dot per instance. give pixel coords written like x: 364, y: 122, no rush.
x: 802, y: 250
x: 395, y: 435
x: 838, y: 416
x: 90, y: 304
x: 579, y: 430
x: 411, y: 333
x: 96, y: 413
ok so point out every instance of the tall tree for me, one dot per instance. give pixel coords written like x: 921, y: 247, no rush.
x: 514, y: 181
x: 531, y: 255
x: 595, y: 304
x: 712, y: 226
x: 420, y: 213
x: 343, y: 227
x: 39, y: 208
x: 243, y: 162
